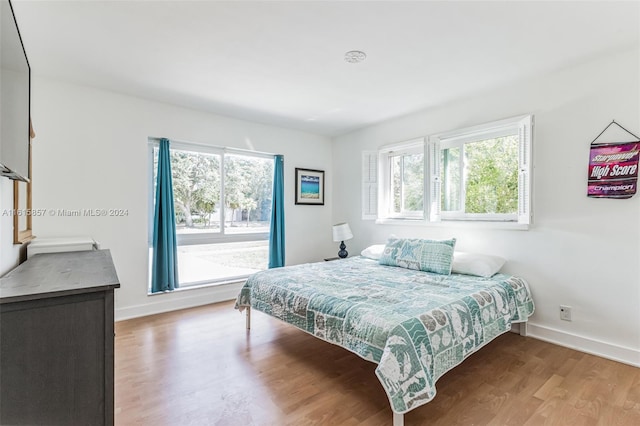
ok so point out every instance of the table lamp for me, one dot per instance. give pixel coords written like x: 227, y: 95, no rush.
x: 342, y: 232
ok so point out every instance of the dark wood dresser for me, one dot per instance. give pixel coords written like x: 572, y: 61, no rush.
x: 56, y: 340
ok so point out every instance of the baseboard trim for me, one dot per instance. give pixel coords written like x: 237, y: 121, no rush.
x: 606, y: 350
x: 174, y: 301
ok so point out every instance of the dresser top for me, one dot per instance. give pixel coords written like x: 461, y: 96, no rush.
x: 59, y: 274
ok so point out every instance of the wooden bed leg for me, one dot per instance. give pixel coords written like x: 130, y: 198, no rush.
x: 523, y: 329
x: 398, y: 419
x: 248, y: 317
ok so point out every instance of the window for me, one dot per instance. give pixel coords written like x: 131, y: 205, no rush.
x: 222, y: 200
x: 403, y: 180
x: 479, y: 173
x: 480, y: 177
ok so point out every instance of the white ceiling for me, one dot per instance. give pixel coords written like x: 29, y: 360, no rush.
x: 282, y: 63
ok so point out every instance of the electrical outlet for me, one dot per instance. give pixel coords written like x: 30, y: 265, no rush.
x: 565, y: 312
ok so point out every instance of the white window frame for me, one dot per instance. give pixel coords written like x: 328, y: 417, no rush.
x: 385, y: 197
x: 460, y: 143
x: 522, y: 126
x: 432, y: 146
x: 203, y: 237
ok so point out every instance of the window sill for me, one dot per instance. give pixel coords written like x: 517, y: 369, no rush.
x: 468, y: 224
x: 201, y: 286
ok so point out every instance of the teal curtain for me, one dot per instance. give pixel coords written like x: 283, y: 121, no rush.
x: 164, y: 272
x: 276, y: 236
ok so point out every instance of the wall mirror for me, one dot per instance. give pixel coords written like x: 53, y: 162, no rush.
x: 21, y: 218
x: 22, y: 205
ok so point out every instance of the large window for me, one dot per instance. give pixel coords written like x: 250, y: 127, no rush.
x: 222, y: 201
x: 478, y: 173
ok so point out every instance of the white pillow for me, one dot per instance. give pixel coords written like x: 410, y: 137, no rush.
x: 373, y: 252
x: 481, y: 265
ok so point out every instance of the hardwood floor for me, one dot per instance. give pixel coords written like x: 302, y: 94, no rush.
x: 201, y: 367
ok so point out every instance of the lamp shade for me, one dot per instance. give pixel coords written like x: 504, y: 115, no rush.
x: 342, y: 232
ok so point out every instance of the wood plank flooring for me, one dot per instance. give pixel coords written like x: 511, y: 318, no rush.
x: 201, y: 367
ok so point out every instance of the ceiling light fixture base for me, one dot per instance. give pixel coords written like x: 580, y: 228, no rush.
x: 355, y: 56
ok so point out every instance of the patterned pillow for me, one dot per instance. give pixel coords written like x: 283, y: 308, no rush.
x: 418, y: 254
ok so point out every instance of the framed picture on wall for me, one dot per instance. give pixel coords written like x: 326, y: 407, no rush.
x: 309, y: 186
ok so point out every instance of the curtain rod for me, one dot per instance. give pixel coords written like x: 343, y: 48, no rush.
x: 223, y: 148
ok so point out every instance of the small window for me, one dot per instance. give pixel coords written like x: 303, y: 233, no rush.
x: 403, y: 181
x: 481, y: 178
x: 484, y: 172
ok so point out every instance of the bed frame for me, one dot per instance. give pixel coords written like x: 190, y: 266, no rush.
x: 398, y: 419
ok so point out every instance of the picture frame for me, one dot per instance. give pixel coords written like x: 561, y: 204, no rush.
x: 309, y: 187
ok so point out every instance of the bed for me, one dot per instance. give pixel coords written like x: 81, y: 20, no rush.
x: 415, y: 325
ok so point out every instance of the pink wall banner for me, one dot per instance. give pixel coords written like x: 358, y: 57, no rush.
x: 613, y: 170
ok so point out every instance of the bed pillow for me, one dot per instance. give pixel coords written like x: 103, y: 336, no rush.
x: 421, y: 255
x: 481, y: 265
x: 373, y: 252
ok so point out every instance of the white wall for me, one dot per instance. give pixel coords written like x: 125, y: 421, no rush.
x: 580, y: 252
x: 91, y: 152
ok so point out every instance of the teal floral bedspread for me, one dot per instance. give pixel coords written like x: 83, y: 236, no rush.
x: 415, y: 325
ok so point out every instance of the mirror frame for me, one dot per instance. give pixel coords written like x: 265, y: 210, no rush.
x: 21, y: 236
